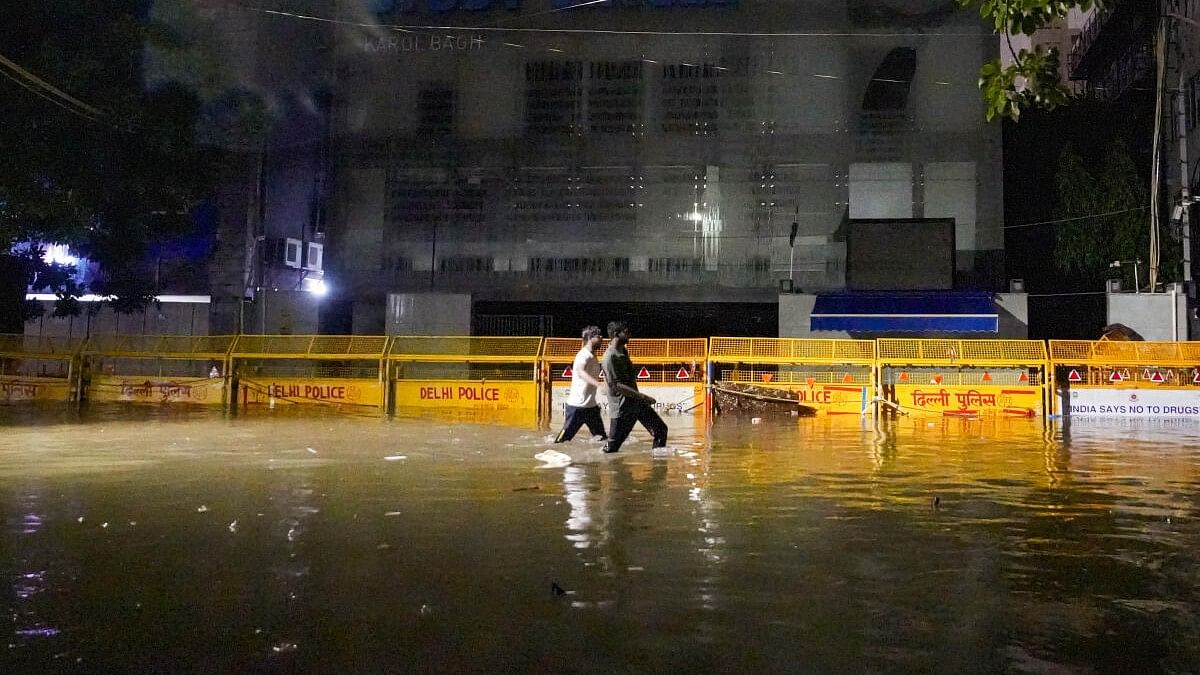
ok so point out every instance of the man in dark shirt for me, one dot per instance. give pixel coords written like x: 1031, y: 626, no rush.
x: 626, y: 405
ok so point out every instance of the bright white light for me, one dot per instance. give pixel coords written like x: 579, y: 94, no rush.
x: 317, y: 287
x: 59, y: 254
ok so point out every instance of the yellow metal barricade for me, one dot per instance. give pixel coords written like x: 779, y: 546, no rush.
x: 157, y: 368
x: 1135, y: 379
x: 837, y: 377
x: 465, y: 378
x: 34, y: 368
x: 968, y: 378
x: 339, y: 371
x: 672, y: 371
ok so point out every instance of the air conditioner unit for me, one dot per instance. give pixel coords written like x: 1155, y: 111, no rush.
x: 291, y: 253
x: 313, y: 256
x: 1113, y: 286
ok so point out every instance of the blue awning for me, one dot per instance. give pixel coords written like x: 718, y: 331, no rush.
x: 944, y: 312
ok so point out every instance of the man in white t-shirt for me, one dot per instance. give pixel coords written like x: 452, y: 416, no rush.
x: 582, y: 407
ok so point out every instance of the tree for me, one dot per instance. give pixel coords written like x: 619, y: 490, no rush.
x: 1087, y: 243
x: 1032, y: 80
x: 93, y: 158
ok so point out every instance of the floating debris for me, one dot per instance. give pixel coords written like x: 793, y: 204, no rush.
x: 202, y: 509
x: 527, y: 488
x: 285, y: 647
x: 392, y: 513
x: 553, y: 459
x: 556, y: 589
x: 394, y: 458
x: 312, y: 450
x: 233, y: 527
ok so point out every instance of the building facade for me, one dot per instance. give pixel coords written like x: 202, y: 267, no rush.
x: 656, y: 151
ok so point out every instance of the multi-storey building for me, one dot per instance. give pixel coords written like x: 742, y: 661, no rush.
x: 537, y: 154
x: 1116, y: 57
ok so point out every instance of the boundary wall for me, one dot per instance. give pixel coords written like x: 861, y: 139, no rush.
x: 39, y: 368
x: 157, y: 368
x: 837, y: 377
x: 527, y: 378
x: 338, y: 371
x: 963, y: 378
x: 465, y: 378
x: 1138, y: 380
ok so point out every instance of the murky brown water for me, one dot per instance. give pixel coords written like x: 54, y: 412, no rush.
x: 156, y: 541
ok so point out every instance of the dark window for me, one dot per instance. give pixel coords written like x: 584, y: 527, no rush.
x: 435, y: 111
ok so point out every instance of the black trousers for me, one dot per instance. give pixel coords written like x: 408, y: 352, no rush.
x: 577, y: 417
x: 629, y: 415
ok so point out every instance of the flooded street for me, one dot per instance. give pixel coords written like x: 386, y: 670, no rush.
x: 150, y: 540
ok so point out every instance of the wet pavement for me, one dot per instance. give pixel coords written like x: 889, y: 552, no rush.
x: 144, y: 539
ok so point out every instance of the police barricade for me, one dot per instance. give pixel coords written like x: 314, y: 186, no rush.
x: 966, y: 378
x: 344, y: 372
x: 836, y: 377
x: 38, y: 368
x: 461, y: 378
x: 673, y: 372
x: 182, y: 369
x: 1126, y: 379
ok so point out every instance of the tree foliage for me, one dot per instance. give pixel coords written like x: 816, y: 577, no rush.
x: 1032, y: 79
x: 109, y: 167
x: 1087, y: 243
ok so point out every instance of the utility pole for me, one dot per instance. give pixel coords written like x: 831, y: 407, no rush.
x: 1184, y: 173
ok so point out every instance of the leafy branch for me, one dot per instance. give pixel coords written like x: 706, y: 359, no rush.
x: 1032, y: 80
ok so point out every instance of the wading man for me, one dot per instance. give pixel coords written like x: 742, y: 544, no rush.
x: 582, y: 407
x: 626, y: 405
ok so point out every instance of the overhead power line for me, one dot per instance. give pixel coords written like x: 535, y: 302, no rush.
x: 46, y: 86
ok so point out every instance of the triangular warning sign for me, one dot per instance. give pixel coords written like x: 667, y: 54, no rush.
x: 937, y: 379
x: 767, y: 377
x: 683, y: 374
x: 1125, y: 373
x: 1074, y: 376
x: 903, y: 377
x: 846, y: 379
x: 1146, y: 374
x: 1025, y: 376
x: 811, y: 381
x: 1156, y: 377
x: 1116, y: 376
x: 987, y: 377
x: 567, y: 372
x: 643, y: 374
x: 1196, y: 377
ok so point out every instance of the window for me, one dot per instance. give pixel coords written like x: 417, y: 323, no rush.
x: 553, y: 97
x: 435, y: 111
x: 466, y: 263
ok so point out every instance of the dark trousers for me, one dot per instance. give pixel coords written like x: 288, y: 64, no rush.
x: 629, y: 415
x: 577, y: 417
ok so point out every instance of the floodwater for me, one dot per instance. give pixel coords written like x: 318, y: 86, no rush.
x: 145, y: 540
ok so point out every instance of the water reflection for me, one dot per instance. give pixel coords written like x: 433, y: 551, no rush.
x: 816, y: 545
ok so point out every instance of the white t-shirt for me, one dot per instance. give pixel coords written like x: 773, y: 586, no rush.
x: 583, y: 394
